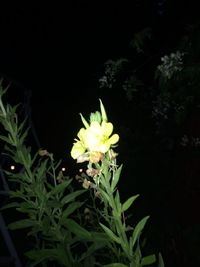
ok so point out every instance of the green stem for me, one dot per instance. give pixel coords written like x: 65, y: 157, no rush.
x: 117, y: 218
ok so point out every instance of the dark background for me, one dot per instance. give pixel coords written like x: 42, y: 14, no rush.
x: 56, y: 53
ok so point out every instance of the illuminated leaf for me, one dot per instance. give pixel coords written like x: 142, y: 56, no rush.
x: 128, y: 203
x: 111, y: 234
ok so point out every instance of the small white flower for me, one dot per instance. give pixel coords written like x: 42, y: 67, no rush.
x: 171, y: 64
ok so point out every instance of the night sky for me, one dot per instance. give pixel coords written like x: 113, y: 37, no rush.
x: 57, y: 52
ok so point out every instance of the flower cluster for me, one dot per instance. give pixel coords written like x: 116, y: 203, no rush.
x: 171, y: 64
x: 192, y: 141
x: 112, y: 69
x: 161, y: 107
x: 95, y: 139
x: 165, y: 108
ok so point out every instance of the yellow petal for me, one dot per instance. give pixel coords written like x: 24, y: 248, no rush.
x: 107, y: 128
x: 77, y: 150
x: 81, y: 134
x: 104, y: 147
x: 114, y: 139
x: 95, y: 128
x: 91, y: 140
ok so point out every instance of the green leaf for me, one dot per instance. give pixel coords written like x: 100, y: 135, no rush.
x: 41, y: 255
x: 117, y: 264
x: 54, y: 203
x: 118, y: 203
x: 99, y: 237
x: 103, y: 180
x: 84, y: 121
x: 115, y: 178
x: 5, y: 139
x: 60, y: 188
x: 71, y: 196
x: 24, y: 135
x: 27, y: 207
x: 128, y: 203
x: 78, y: 230
x: 138, y: 229
x: 17, y: 194
x: 22, y: 127
x: 25, y: 223
x: 148, y: 260
x: 41, y: 170
x: 91, y: 249
x: 70, y: 209
x: 103, y: 112
x: 105, y: 168
x: 104, y: 195
x: 110, y: 234
x: 3, y: 90
x: 11, y: 139
x: 160, y: 261
x: 137, y: 255
x: 10, y: 205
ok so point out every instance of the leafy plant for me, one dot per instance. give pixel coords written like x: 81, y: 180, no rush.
x: 54, y: 211
x: 47, y: 199
x: 95, y: 145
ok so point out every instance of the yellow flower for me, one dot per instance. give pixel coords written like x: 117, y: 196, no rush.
x: 77, y: 150
x: 95, y: 138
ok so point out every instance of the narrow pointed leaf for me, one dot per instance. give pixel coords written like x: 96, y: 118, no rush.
x: 60, y: 188
x: 103, y: 112
x: 160, y: 261
x: 5, y: 139
x: 21, y: 224
x: 128, y: 203
x: 115, y: 178
x: 138, y: 229
x: 41, y: 255
x: 118, y: 203
x: 71, y: 196
x: 91, y: 250
x: 99, y: 237
x: 78, y: 230
x: 71, y: 208
x: 104, y: 195
x: 148, y: 260
x: 111, y: 234
x: 10, y: 205
x: 84, y: 121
